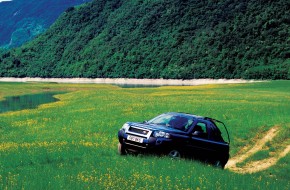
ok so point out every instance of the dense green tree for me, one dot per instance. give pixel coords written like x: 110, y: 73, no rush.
x: 180, y: 39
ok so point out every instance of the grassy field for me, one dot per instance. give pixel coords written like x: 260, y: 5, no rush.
x: 72, y: 143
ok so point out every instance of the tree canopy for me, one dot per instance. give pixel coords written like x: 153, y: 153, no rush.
x: 178, y: 39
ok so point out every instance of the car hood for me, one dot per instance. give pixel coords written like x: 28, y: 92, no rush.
x: 154, y: 127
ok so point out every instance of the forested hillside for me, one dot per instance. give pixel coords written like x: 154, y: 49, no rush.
x: 182, y: 39
x: 22, y: 20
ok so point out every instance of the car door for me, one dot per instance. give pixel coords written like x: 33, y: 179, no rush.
x: 200, y: 145
x: 220, y: 149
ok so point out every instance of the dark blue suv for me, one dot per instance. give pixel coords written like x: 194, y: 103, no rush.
x: 177, y: 135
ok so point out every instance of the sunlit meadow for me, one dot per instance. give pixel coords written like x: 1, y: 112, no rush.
x: 72, y: 143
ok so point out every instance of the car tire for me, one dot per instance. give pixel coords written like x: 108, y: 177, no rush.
x: 174, y: 154
x: 121, y: 149
x: 218, y: 164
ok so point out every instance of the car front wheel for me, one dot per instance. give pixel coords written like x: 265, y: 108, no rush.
x: 121, y: 149
x: 175, y: 154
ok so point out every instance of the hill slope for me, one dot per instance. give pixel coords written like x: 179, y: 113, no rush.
x: 161, y: 39
x: 22, y: 20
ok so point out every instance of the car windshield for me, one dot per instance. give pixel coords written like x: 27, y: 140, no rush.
x: 176, y: 121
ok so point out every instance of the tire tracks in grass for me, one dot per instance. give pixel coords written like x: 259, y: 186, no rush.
x: 256, y: 166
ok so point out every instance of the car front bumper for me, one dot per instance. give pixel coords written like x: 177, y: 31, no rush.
x: 148, y: 145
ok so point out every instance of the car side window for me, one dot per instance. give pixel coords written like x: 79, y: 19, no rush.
x: 200, y: 130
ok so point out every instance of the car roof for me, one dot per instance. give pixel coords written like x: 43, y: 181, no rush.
x: 185, y: 114
x: 192, y: 115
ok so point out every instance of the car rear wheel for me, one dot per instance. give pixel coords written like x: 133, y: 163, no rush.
x: 219, y: 164
x: 175, y: 154
x: 121, y: 149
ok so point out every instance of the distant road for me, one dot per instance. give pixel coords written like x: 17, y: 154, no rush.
x: 124, y: 81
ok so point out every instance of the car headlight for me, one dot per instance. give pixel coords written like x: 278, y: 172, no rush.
x: 161, y: 134
x: 125, y: 127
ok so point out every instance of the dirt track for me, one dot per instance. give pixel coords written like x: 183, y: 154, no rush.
x: 247, y: 152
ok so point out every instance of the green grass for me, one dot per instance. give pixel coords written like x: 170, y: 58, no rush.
x: 72, y: 144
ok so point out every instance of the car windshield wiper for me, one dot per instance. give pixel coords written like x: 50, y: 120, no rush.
x: 162, y: 124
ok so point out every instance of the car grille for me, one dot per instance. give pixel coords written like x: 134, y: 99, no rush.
x: 137, y: 130
x: 133, y: 130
